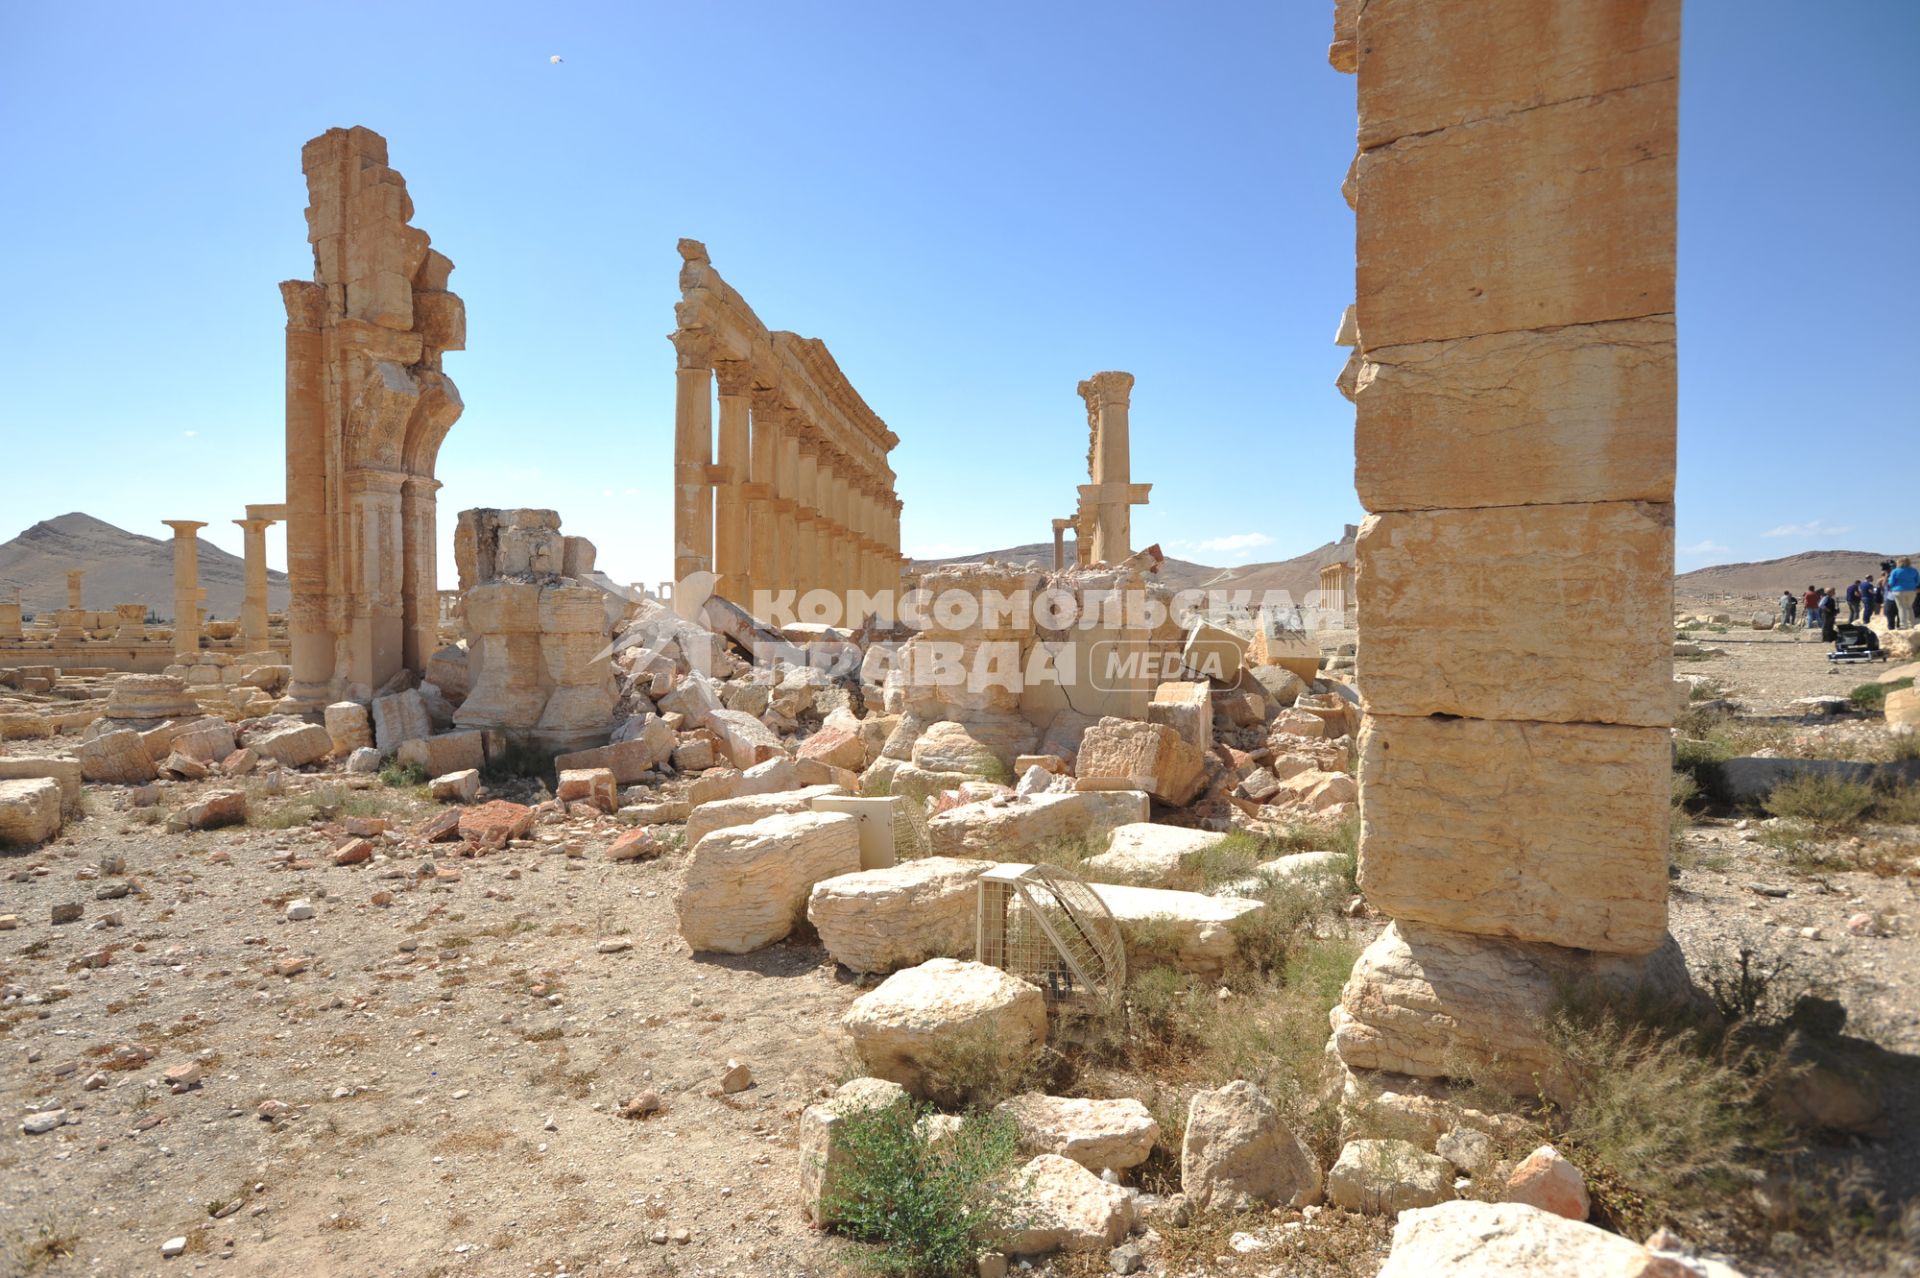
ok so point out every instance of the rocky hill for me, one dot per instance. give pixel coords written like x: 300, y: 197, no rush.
x: 122, y: 567
x: 1794, y: 572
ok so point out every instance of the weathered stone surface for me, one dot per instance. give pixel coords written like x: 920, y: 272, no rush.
x: 900, y: 916
x: 1213, y: 652
x: 628, y: 760
x: 1097, y: 1134
x: 1546, y: 1180
x: 1316, y: 791
x: 1065, y: 1207
x: 398, y: 717
x: 493, y: 823
x: 1192, y: 931
x: 1187, y: 708
x: 1386, y: 1177
x: 348, y: 726
x: 1143, y: 756
x: 902, y: 1026
x: 1006, y: 830
x: 446, y: 752
x: 1567, y: 824
x: 1513, y: 1240
x: 119, y: 757
x: 1606, y: 565
x: 949, y: 747
x: 588, y: 785
x: 65, y: 772
x: 30, y: 810
x: 1147, y: 853
x: 457, y: 787
x: 1435, y: 64
x: 1578, y: 181
x: 824, y: 1156
x: 1428, y: 1002
x: 215, y: 808
x: 1903, y: 706
x: 836, y: 747
x: 1238, y: 1155
x: 722, y: 813
x: 745, y: 739
x: 694, y: 697
x: 746, y: 886
x: 289, y: 741
x: 150, y: 697
x: 637, y: 844
x: 206, y: 739
x: 1579, y: 414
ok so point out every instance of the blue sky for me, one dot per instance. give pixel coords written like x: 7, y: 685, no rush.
x: 974, y: 205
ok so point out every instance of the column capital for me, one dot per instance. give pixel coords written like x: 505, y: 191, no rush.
x: 185, y: 527
x: 734, y: 375
x: 694, y: 347
x: 256, y: 525
x: 1104, y: 390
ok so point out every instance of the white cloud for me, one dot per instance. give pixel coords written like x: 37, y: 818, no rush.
x: 1236, y: 541
x: 1812, y: 528
x: 1707, y: 547
x: 189, y: 433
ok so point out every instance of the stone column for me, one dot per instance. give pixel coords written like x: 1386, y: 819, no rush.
x: 786, y: 480
x: 692, y: 455
x: 420, y: 585
x: 839, y: 546
x: 186, y: 583
x: 1514, y: 422
x: 1112, y: 492
x: 735, y: 378
x: 1060, y: 527
x: 73, y: 587
x: 806, y: 517
x: 761, y: 515
x: 253, y: 605
x: 11, y: 629
x: 130, y: 621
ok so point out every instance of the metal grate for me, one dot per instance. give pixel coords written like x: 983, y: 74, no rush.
x: 1047, y: 927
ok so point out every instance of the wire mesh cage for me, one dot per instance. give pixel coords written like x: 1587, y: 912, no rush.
x: 1047, y: 927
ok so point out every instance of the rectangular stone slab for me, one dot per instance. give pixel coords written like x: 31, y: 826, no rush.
x: 1540, y: 416
x: 1534, y: 831
x: 1560, y: 215
x: 1431, y: 64
x: 1555, y: 613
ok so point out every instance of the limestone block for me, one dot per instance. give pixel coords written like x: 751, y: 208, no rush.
x: 745, y: 739
x: 1580, y: 632
x: 289, y: 741
x: 1213, y: 652
x: 1097, y: 1134
x: 1546, y: 1180
x: 398, y: 717
x: 1435, y: 64
x: 1238, y: 1155
x: 66, y: 771
x: 348, y: 726
x: 581, y: 693
x: 1065, y: 1207
x: 1004, y: 831
x: 365, y: 761
x: 1512, y: 1240
x: 1567, y: 824
x: 30, y: 810
x: 1903, y: 706
x: 903, y: 1025
x: 747, y: 886
x: 213, y: 809
x: 693, y: 754
x: 1187, y: 708
x: 886, y: 919
x: 1583, y: 414
x: 449, y: 671
x: 1064, y: 733
x: 208, y: 740
x: 890, y: 776
x: 1143, y: 852
x: 837, y: 747
x: 588, y: 785
x: 495, y: 823
x: 1431, y: 1003
x: 119, y: 757
x: 1142, y: 756
x: 1190, y: 930
x: 149, y: 696
x: 1387, y: 1177
x: 1297, y: 723
x: 628, y: 760
x: 949, y: 747
x: 457, y: 787
x: 694, y: 697
x: 721, y: 814
x: 1316, y: 791
x: 1494, y: 228
x: 824, y: 1156
x: 446, y: 752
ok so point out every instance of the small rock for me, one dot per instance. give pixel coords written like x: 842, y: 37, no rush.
x: 1546, y: 1180
x: 353, y: 852
x: 44, y: 1121
x: 299, y: 908
x: 614, y: 945
x: 181, y: 1077
x: 69, y: 912
x: 738, y: 1078
x: 173, y: 1247
x: 1126, y: 1259
x: 643, y: 1105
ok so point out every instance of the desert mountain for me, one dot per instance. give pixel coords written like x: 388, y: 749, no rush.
x: 122, y: 567
x: 1794, y: 572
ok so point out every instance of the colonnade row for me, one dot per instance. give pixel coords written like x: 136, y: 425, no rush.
x: 189, y: 594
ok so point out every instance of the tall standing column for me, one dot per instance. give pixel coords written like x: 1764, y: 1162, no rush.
x: 692, y: 455
x: 761, y: 513
x: 730, y: 561
x: 1112, y: 494
x: 186, y: 583
x: 420, y: 591
x: 73, y: 586
x: 786, y: 479
x: 836, y: 503
x: 253, y: 604
x: 807, y: 517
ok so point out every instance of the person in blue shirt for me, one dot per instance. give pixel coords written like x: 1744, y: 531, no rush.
x: 1903, y: 583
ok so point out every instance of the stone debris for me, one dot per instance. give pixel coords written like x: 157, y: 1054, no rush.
x: 445, y: 752
x: 1237, y: 1154
x: 1065, y: 1207
x: 1189, y: 930
x: 1132, y: 755
x: 737, y: 1078
x: 723, y: 813
x: 215, y: 808
x: 457, y: 787
x: 823, y: 1153
x: 31, y: 811
x: 1386, y: 1177
x: 589, y: 785
x: 902, y: 1027
x: 886, y: 919
x: 747, y: 886
x: 1097, y: 1134
x: 348, y: 726
x: 1150, y: 854
x: 1513, y: 1240
x: 1010, y: 829
x: 1545, y: 1180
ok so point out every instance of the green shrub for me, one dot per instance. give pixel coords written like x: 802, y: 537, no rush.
x: 928, y: 1208
x: 1872, y: 696
x: 1822, y: 800
x: 399, y: 776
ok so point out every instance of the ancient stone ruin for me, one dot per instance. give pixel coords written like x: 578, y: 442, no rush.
x: 1514, y: 429
x: 367, y: 408
x: 801, y: 497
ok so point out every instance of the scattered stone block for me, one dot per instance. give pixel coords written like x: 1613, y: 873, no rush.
x: 746, y: 886
x: 65, y: 772
x: 745, y: 739
x: 457, y: 787
x: 1190, y: 930
x: 494, y: 823
x: 348, y: 726
x: 1238, y: 1155
x: 693, y: 754
x: 399, y: 717
x: 1187, y: 708
x: 949, y: 747
x: 1007, y: 830
x: 1149, y: 853
x: 1546, y: 1180
x: 590, y: 785
x: 30, y: 811
x: 447, y: 752
x: 823, y: 1153
x: 1097, y: 1134
x: 1065, y: 1207
x: 205, y: 740
x: 836, y: 747
x: 1513, y: 1240
x: 1386, y: 1177
x: 1142, y: 756
x: 119, y: 757
x: 634, y: 845
x: 218, y: 808
x: 353, y: 852
x: 722, y: 813
x: 886, y: 919
x: 364, y: 762
x: 1213, y: 652
x: 628, y: 760
x: 902, y: 1028
x: 289, y: 741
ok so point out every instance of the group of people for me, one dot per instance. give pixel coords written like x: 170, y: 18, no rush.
x: 1891, y: 596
